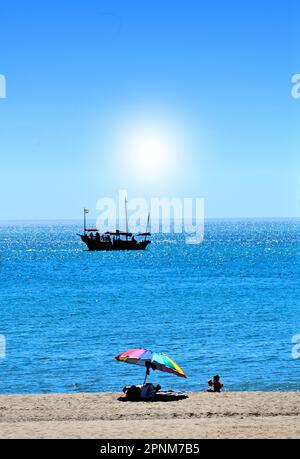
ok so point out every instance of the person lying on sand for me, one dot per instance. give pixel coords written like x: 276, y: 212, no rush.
x: 146, y: 391
x: 215, y: 384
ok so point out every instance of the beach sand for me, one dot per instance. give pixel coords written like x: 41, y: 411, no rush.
x: 102, y: 415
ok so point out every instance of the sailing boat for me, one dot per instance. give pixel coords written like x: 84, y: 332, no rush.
x: 117, y: 240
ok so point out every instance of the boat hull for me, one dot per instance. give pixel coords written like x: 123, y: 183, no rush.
x: 118, y: 244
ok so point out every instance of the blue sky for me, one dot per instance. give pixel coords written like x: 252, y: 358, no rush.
x: 214, y: 76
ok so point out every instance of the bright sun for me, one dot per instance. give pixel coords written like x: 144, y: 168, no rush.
x: 150, y: 151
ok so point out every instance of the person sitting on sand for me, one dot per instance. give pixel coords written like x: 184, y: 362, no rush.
x: 132, y: 393
x: 215, y: 384
x: 148, y: 390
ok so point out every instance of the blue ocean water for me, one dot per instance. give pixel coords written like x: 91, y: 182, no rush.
x: 229, y: 305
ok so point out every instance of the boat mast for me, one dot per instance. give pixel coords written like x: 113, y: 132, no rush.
x: 147, y: 225
x: 85, y: 211
x: 126, y: 219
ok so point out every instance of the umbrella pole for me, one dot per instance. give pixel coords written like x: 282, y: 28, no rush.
x: 145, y: 376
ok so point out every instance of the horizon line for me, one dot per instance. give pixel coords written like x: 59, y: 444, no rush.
x: 206, y: 218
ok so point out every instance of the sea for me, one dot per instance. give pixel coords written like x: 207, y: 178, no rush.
x: 228, y: 306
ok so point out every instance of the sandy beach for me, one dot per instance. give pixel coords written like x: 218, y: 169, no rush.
x: 102, y: 415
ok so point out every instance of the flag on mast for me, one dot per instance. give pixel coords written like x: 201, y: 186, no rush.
x: 85, y: 211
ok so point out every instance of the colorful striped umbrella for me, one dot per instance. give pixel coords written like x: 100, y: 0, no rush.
x: 150, y: 359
